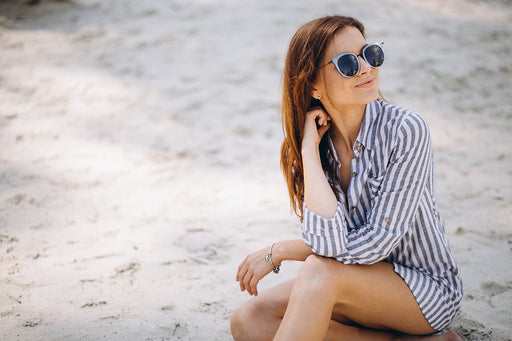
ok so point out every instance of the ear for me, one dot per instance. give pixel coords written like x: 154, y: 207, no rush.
x: 315, y: 93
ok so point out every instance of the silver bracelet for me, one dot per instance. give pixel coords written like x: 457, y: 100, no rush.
x: 268, y: 258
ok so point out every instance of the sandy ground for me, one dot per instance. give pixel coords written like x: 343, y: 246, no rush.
x: 139, y: 155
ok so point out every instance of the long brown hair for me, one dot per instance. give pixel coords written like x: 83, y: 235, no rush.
x: 305, y: 52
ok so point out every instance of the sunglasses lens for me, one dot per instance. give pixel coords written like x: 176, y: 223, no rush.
x: 374, y: 55
x: 348, y: 65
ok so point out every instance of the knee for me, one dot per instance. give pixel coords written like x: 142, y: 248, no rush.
x: 315, y: 267
x: 315, y: 263
x: 241, y: 321
x: 315, y: 275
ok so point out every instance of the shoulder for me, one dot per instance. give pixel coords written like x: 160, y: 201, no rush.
x: 403, y: 121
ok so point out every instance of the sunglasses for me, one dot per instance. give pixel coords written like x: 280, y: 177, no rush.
x: 348, y: 64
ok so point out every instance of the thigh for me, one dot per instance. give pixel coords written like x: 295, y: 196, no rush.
x: 273, y: 301
x: 377, y: 297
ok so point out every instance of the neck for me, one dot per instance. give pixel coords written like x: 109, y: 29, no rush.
x: 346, y: 124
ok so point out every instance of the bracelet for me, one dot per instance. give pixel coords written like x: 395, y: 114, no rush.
x: 268, y: 258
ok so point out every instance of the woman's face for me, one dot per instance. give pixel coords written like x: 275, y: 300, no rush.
x: 336, y: 91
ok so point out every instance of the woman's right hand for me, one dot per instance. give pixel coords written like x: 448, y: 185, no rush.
x: 317, y: 123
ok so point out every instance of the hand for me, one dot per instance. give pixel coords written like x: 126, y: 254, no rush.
x: 317, y: 123
x: 252, y: 270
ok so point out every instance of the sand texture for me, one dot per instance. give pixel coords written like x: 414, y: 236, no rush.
x: 139, y: 155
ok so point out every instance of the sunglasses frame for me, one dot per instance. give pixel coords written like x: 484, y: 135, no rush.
x: 336, y: 58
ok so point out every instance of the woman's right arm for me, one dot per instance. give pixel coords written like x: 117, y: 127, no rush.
x: 318, y: 194
x: 392, y: 209
x: 318, y: 197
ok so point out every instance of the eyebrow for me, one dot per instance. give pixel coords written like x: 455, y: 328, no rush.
x: 356, y: 53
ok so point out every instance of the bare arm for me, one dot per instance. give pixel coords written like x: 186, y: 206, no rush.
x: 401, y: 186
x: 254, y: 267
x: 318, y: 197
x: 318, y: 194
x: 290, y: 250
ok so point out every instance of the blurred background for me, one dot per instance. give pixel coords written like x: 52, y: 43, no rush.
x: 139, y: 155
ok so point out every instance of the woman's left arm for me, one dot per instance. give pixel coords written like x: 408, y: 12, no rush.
x: 254, y: 267
x: 392, y: 209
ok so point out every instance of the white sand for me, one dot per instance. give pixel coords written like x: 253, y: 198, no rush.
x: 139, y: 155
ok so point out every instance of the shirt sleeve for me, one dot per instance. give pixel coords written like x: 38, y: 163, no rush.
x: 392, y: 208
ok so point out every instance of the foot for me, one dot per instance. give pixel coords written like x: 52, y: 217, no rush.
x: 443, y: 337
x: 449, y: 337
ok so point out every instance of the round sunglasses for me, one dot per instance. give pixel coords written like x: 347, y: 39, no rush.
x: 348, y: 64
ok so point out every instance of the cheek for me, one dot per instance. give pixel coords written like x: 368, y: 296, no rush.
x: 375, y: 73
x: 339, y: 86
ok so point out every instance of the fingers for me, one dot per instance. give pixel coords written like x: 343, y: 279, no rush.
x: 318, y: 121
x: 250, y: 271
x: 322, y: 119
x: 242, y: 273
x: 246, y: 278
x: 249, y: 281
x: 254, y: 286
x: 247, y: 284
x: 323, y: 129
x: 319, y: 115
x: 240, y: 269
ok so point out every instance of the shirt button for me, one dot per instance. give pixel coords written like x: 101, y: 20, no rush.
x: 354, y: 174
x: 387, y: 220
x: 358, y: 147
x: 354, y: 207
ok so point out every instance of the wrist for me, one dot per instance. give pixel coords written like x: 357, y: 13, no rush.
x: 293, y: 249
x: 277, y: 253
x: 309, y: 150
x: 270, y: 258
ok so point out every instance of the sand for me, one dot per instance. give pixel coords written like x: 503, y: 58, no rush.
x: 139, y: 155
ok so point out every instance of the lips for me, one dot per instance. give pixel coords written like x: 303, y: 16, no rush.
x: 368, y: 83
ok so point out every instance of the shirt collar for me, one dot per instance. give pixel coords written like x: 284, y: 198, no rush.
x: 366, y: 135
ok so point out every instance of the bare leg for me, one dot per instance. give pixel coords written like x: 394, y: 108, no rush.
x: 261, y: 316
x: 338, y: 331
x: 371, y: 295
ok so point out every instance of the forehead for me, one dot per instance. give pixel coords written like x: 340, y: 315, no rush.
x: 348, y: 39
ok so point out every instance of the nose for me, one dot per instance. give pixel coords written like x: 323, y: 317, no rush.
x: 364, y: 66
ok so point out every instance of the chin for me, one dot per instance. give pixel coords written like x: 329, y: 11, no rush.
x: 371, y: 96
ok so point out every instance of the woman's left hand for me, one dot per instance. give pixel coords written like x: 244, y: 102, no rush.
x: 252, y: 270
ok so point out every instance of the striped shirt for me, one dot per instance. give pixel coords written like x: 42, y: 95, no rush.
x: 390, y: 214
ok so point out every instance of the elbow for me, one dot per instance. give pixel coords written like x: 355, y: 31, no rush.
x: 326, y: 211
x: 321, y: 246
x: 373, y: 256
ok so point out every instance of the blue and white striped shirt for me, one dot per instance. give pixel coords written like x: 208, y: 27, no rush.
x: 390, y: 214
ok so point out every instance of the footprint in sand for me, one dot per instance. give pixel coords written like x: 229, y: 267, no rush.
x: 202, y: 244
x: 493, y: 288
x: 129, y: 269
x: 32, y: 323
x: 469, y: 329
x: 179, y: 331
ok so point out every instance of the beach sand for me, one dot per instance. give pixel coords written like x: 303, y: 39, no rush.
x: 139, y: 155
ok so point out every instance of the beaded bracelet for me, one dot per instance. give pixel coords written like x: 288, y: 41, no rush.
x: 268, y: 258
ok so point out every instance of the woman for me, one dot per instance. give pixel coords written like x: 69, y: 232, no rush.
x: 377, y: 264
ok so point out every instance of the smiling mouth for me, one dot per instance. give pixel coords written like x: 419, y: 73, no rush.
x: 367, y: 84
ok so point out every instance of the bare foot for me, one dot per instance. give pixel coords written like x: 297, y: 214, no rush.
x: 449, y: 337
x: 443, y: 337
